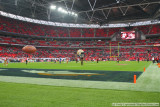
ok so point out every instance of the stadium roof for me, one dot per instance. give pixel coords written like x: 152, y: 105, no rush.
x: 89, y: 11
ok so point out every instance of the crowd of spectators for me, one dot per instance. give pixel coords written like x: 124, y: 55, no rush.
x: 124, y: 53
x: 26, y: 28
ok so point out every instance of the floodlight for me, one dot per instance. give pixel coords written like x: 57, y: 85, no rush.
x: 76, y: 15
x: 67, y: 12
x: 60, y: 9
x: 72, y: 13
x: 53, y: 7
x: 64, y: 11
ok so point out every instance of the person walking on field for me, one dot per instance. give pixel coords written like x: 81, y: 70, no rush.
x: 6, y: 61
x: 153, y: 60
x: 138, y: 60
x: 97, y: 60
x: 26, y: 61
x: 60, y: 60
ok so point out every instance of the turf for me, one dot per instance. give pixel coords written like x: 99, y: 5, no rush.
x: 108, y: 66
x: 26, y: 95
x: 31, y: 95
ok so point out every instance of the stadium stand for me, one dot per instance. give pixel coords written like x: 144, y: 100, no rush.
x: 16, y: 26
x: 93, y: 49
x: 13, y: 48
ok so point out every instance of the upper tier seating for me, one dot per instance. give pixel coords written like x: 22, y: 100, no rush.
x: 67, y: 43
x: 21, y: 27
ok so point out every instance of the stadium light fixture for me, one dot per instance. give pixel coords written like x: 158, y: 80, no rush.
x: 72, y: 13
x: 118, y: 1
x: 53, y: 7
x: 62, y: 10
x: 67, y: 12
x: 76, y: 15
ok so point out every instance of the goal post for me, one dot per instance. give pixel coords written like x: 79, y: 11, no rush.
x: 111, y: 51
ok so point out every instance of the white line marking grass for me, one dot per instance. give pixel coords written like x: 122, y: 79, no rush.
x: 148, y: 81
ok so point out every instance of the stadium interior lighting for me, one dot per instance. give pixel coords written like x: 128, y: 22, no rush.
x: 53, y: 7
x: 67, y: 12
x: 76, y: 15
x: 62, y: 10
x: 72, y: 13
x: 59, y: 9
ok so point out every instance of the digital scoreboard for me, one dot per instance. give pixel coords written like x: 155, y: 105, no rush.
x: 125, y: 35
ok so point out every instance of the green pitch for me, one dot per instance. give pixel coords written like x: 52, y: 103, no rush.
x: 30, y: 95
x: 106, y: 66
x: 26, y: 95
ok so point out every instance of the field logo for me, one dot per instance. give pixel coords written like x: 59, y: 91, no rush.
x: 60, y: 73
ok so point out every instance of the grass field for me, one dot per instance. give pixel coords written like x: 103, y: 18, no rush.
x: 108, y: 66
x: 31, y: 95
x: 26, y: 95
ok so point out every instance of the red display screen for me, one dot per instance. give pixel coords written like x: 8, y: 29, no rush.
x: 128, y: 35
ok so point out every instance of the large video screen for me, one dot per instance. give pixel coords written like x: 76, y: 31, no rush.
x: 128, y: 35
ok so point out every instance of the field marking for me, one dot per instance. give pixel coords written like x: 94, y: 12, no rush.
x: 78, y: 83
x: 60, y: 73
x: 78, y: 74
x: 66, y: 72
x: 2, y: 69
x: 72, y: 66
x: 122, y: 64
x: 149, y: 81
x: 33, y: 71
